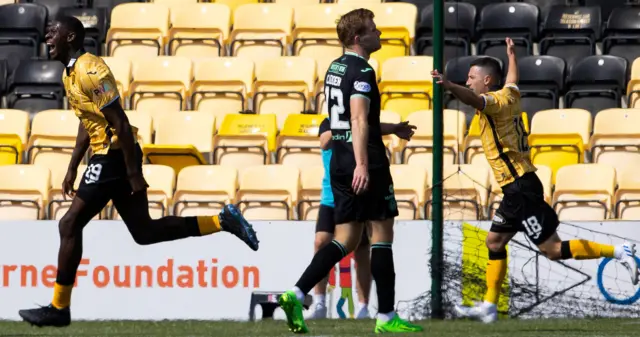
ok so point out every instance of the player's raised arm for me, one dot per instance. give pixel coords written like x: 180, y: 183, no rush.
x: 465, y: 95
x: 512, y: 73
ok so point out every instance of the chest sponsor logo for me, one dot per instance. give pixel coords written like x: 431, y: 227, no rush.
x: 362, y: 86
x: 343, y: 138
x: 333, y: 80
x: 338, y: 68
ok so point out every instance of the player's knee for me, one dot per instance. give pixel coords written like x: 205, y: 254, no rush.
x: 320, y: 241
x: 552, y: 252
x: 142, y: 238
x: 67, y: 225
x: 495, y: 244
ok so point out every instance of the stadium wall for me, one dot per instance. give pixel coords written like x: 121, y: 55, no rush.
x: 213, y: 277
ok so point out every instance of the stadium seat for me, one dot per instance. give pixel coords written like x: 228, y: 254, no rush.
x: 222, y: 86
x: 559, y: 137
x: 607, y: 7
x: 137, y: 30
x: 310, y: 192
x: 245, y: 140
x: 162, y: 182
x: 596, y: 83
x: 409, y: 185
x: 570, y: 33
x: 58, y: 204
x: 204, y: 190
x: 199, y: 30
x: 234, y: 4
x: 36, y: 86
x: 584, y: 192
x: 22, y: 30
x: 23, y: 191
x: 457, y: 71
x: 261, y: 31
x: 480, y: 4
x: 7, y: 2
x: 396, y: 22
x: 300, y: 3
x: 143, y: 121
x: 161, y: 83
x: 268, y: 192
x: 315, y: 31
x: 633, y: 86
x: 406, y: 84
x: 14, y: 128
x: 95, y: 22
x: 546, y: 5
x: 622, y: 33
x: 53, y: 138
x: 466, y: 190
x: 298, y: 143
x: 121, y: 70
x: 616, y: 139
x: 283, y: 86
x: 627, y: 197
x: 175, y: 3
x: 459, y: 25
x: 472, y: 145
x: 519, y: 21
x: 418, y: 151
x: 54, y: 6
x: 182, y: 139
x: 4, y: 75
x: 541, y: 82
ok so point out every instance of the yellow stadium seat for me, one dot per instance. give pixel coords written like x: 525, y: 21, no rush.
x: 298, y: 143
x: 396, y: 22
x: 199, y: 30
x: 406, y: 85
x: 53, y: 138
x: 183, y: 139
x: 222, y: 86
x: 7, y: 2
x: 297, y: 2
x: 121, y: 70
x: 14, y: 128
x: 315, y: 32
x: 284, y: 86
x: 321, y: 106
x: 204, y: 190
x: 268, y: 192
x: 418, y: 151
x: 137, y: 30
x: 633, y: 86
x: 627, y: 197
x: 162, y: 182
x: 543, y: 173
x: 57, y: 204
x: 23, y: 191
x: 261, y: 31
x: 391, y: 142
x: 559, y: 137
x: 233, y: 4
x: 161, y: 83
x: 143, y: 121
x: 584, y: 192
x: 472, y: 145
x: 466, y: 191
x: 310, y: 192
x: 245, y: 140
x: 410, y: 185
x: 359, y: 2
x: 173, y: 4
x: 616, y: 139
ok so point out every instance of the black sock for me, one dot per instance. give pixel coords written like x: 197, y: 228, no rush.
x: 383, y: 272
x: 321, y: 265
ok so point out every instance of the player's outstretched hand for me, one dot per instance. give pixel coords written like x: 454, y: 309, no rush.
x: 510, y: 47
x: 67, y: 184
x: 404, y: 130
x: 439, y: 78
x: 138, y: 183
x: 360, y: 179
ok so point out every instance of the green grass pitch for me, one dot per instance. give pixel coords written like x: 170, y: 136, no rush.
x: 326, y: 328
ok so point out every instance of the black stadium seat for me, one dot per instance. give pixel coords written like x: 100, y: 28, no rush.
x: 606, y: 6
x: 36, y: 86
x: 571, y: 33
x: 457, y: 71
x: 546, y: 5
x: 459, y: 25
x: 22, y: 29
x: 421, y: 4
x: 479, y: 4
x: 541, y: 81
x: 623, y: 33
x: 54, y: 6
x: 3, y: 77
x: 596, y: 83
x: 95, y: 24
x: 519, y: 21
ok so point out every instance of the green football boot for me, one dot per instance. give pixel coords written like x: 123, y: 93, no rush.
x: 396, y: 325
x: 293, y: 308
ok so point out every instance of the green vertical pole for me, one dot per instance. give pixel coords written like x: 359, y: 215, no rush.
x: 437, y: 256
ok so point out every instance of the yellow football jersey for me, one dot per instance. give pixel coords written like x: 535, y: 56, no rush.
x: 90, y: 86
x: 504, y: 138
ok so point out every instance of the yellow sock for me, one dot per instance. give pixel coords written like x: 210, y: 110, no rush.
x: 61, y: 296
x: 208, y: 224
x: 496, y: 271
x: 585, y: 250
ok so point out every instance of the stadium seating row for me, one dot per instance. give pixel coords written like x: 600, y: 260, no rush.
x: 281, y: 192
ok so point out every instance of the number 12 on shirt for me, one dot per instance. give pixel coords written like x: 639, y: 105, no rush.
x: 336, y: 108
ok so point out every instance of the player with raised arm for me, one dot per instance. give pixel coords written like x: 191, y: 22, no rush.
x: 114, y: 172
x: 360, y: 175
x: 523, y: 207
x: 325, y: 227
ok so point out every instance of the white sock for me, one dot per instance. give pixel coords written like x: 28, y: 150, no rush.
x: 299, y: 294
x: 618, y: 252
x: 386, y: 317
x: 488, y: 304
x: 363, y: 306
x: 320, y: 299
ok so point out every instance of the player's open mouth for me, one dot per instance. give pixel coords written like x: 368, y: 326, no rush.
x: 52, y: 47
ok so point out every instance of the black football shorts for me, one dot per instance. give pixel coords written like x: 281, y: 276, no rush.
x: 523, y: 209
x: 375, y: 204
x: 326, y: 223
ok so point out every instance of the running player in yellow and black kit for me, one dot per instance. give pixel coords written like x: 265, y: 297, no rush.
x: 523, y: 207
x: 114, y: 172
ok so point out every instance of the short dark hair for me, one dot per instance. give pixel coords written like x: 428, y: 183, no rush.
x: 352, y: 24
x: 491, y: 65
x: 72, y: 24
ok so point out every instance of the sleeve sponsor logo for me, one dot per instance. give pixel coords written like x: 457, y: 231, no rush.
x: 102, y: 88
x: 362, y: 86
